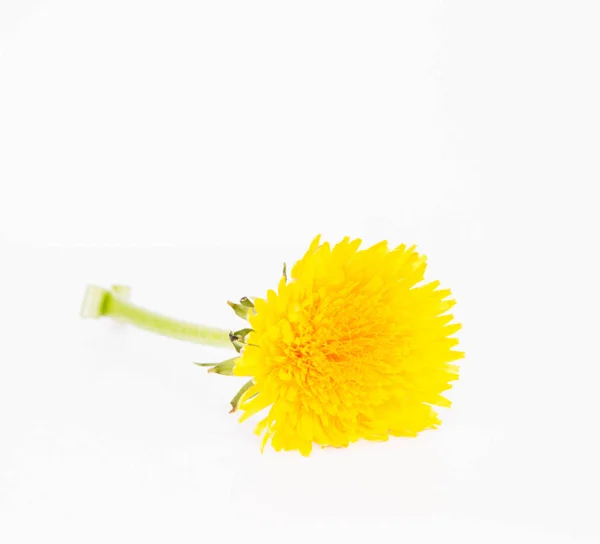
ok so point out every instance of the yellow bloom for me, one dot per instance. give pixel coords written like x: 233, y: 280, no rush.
x: 354, y: 346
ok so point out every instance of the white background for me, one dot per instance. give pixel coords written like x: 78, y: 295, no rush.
x: 188, y: 148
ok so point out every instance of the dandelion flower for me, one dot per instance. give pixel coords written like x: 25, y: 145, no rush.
x: 354, y: 345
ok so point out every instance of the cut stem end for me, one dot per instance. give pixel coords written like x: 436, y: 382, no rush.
x: 93, y: 302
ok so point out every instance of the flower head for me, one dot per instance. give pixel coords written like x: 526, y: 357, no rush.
x: 354, y: 346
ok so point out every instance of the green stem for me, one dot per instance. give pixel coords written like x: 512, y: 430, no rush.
x: 114, y: 303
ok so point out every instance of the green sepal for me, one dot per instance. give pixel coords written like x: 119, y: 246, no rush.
x: 238, y: 338
x: 244, y: 307
x: 224, y: 368
x: 235, y: 401
x: 237, y: 343
x: 240, y: 311
x: 242, y: 333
